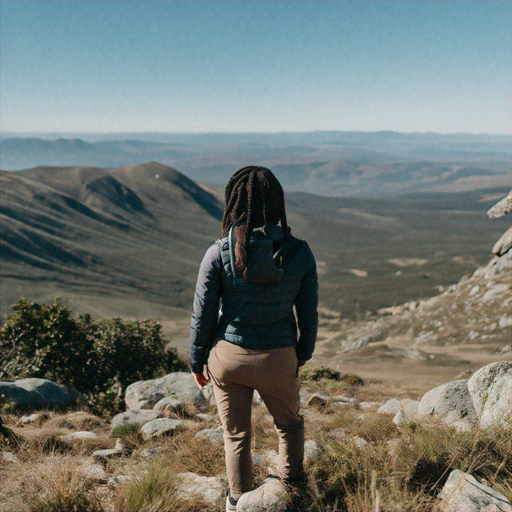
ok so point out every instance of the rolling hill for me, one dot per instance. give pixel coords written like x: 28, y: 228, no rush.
x: 127, y: 241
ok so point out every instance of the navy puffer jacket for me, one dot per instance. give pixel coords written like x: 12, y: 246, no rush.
x: 255, y: 316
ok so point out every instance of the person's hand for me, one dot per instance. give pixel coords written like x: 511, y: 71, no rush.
x: 200, y: 379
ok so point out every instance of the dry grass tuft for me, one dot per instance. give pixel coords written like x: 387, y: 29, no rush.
x: 59, y: 487
x: 154, y: 492
x: 77, y: 421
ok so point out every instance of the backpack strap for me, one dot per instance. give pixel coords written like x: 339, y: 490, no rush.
x: 287, y: 250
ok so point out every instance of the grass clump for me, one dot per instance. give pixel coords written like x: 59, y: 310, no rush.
x: 60, y: 489
x: 155, y: 492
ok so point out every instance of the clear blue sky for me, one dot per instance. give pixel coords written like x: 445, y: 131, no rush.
x: 255, y: 65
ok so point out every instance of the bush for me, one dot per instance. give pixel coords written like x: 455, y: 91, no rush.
x: 98, y: 358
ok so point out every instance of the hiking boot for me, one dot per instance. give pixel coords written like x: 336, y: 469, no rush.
x: 230, y: 503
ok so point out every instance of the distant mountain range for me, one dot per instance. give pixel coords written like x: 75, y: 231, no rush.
x: 128, y: 240
x: 348, y: 164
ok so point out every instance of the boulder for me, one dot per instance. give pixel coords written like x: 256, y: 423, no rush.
x: 180, y: 386
x: 462, y: 492
x: 501, y: 208
x: 133, y: 418
x: 214, y: 435
x: 160, y: 427
x: 37, y: 393
x: 271, y: 496
x: 450, y: 402
x: 210, y: 489
x: 490, y: 389
x: 408, y: 412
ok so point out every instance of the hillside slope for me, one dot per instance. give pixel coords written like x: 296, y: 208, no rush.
x: 466, y: 326
x: 115, y: 241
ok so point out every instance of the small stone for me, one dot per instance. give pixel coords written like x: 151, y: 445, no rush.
x: 211, y: 489
x: 214, y: 435
x: 160, y: 427
x: 317, y: 400
x: 369, y: 405
x: 312, y: 451
x: 149, y: 453
x: 119, y: 480
x: 9, y: 457
x: 32, y: 418
x: 119, y: 450
x: 203, y: 416
x: 79, y: 436
x: 474, y: 290
x: 400, y: 418
x: 94, y: 472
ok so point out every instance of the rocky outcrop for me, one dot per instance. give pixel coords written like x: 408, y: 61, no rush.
x: 180, y: 387
x: 37, y: 393
x: 491, y: 393
x: 463, y: 492
x: 502, y: 207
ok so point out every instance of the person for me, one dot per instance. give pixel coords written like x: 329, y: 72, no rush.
x: 243, y: 327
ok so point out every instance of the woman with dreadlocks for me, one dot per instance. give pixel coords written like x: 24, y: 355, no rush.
x: 243, y: 329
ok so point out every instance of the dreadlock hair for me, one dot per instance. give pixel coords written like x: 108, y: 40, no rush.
x: 254, y: 198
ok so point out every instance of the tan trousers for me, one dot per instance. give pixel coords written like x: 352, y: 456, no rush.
x: 235, y: 373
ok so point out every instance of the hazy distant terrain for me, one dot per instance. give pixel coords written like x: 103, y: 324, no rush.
x: 128, y: 241
x: 358, y: 164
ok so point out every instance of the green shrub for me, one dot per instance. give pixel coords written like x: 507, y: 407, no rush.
x: 98, y: 358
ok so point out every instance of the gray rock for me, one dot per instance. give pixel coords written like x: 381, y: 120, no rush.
x: 271, y: 496
x: 340, y: 435
x: 160, y: 427
x: 169, y: 404
x: 462, y: 492
x: 214, y: 435
x: 202, y: 416
x: 211, y: 489
x: 400, y: 418
x: 117, y: 481
x: 490, y: 389
x: 133, y: 418
x: 501, y: 208
x: 312, y: 451
x: 149, y: 453
x: 393, y: 405
x: 181, y: 386
x: 78, y: 436
x: 317, y: 400
x: 9, y: 457
x: 504, y: 244
x: 32, y: 418
x: 37, y: 393
x: 451, y: 402
x: 120, y: 449
x: 93, y: 472
x: 369, y: 405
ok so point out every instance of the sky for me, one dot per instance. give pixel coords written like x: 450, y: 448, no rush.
x: 77, y: 66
